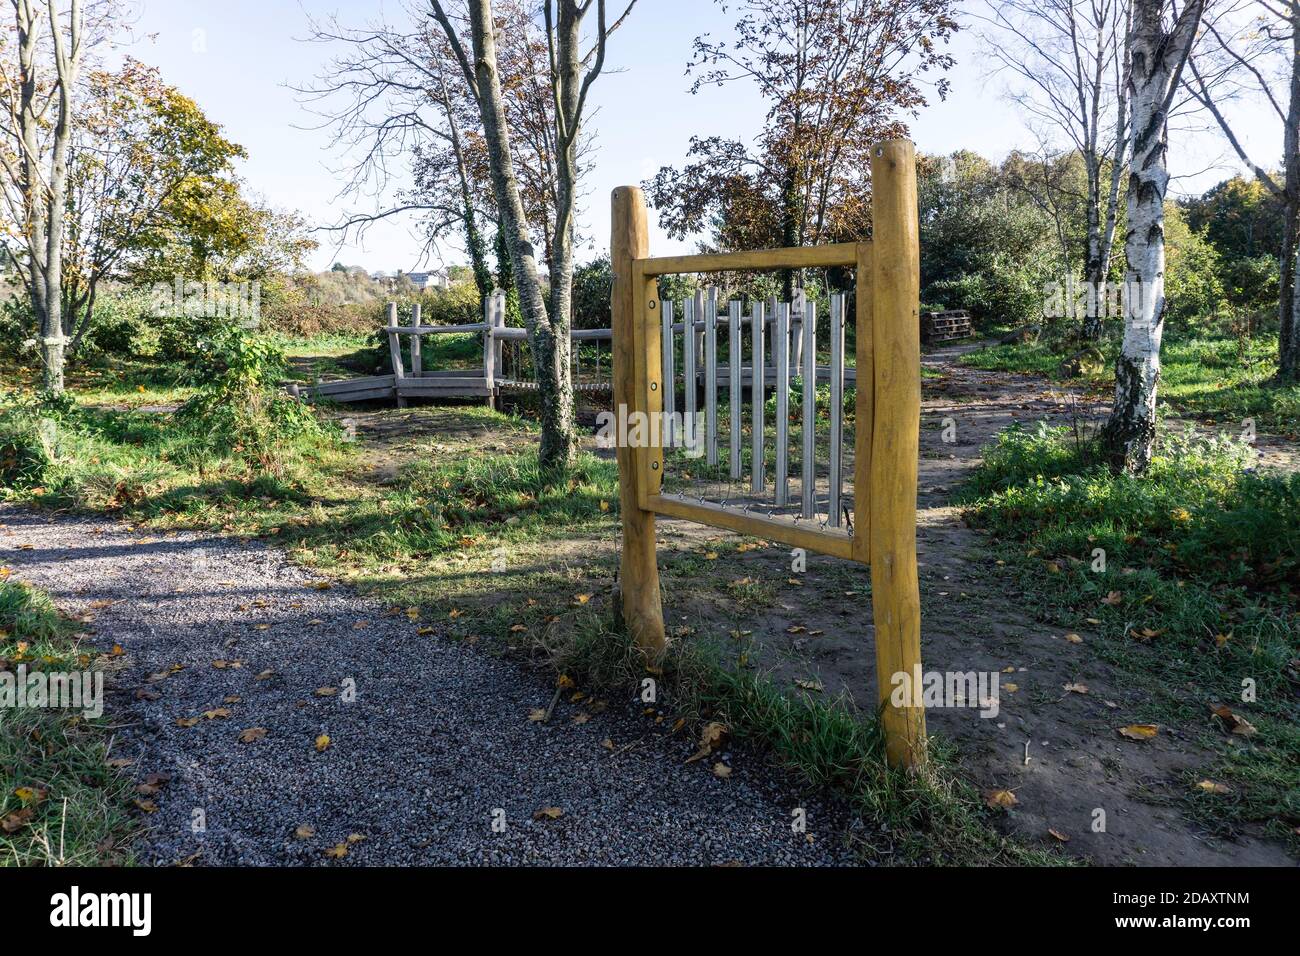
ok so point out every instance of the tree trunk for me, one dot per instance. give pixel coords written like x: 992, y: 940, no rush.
x: 1288, y: 345
x: 1157, y: 62
x: 549, y: 340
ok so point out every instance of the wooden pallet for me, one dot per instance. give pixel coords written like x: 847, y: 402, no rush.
x: 944, y: 326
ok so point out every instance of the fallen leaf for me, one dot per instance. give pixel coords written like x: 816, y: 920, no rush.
x: 30, y: 796
x: 146, y: 806
x: 1000, y: 798
x: 711, y: 737
x: 186, y: 721
x: 1063, y: 837
x: 548, y: 813
x: 265, y: 675
x: 337, y: 852
x: 1074, y: 638
x: 1209, y: 786
x: 218, y: 713
x: 808, y: 685
x: 537, y: 714
x: 720, y: 769
x: 1076, y: 688
x: 15, y: 821
x: 325, y: 691
x: 1236, y: 724
x: 1114, y: 598
x: 1139, y: 731
x: 305, y: 832
x: 251, y: 734
x: 322, y: 742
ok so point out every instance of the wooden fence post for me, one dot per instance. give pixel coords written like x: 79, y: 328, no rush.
x: 395, y: 351
x: 417, y: 357
x: 895, y: 330
x: 489, y: 348
x: 639, y: 571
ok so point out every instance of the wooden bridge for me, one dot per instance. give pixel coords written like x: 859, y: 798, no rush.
x: 507, y: 366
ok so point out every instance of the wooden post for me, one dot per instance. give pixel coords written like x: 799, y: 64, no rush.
x: 395, y: 351
x: 489, y: 348
x: 639, y: 571
x: 895, y: 331
x: 417, y: 359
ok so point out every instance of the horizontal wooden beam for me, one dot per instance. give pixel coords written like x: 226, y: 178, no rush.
x: 760, y: 526
x: 801, y: 257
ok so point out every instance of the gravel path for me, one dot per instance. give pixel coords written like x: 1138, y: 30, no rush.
x: 435, y: 743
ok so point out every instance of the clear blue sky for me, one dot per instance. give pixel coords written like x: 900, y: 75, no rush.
x: 237, y: 58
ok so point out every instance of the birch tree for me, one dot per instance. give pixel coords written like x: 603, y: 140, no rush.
x: 571, y: 73
x: 1252, y: 50
x: 37, y: 116
x: 1159, y: 42
x: 1070, y: 59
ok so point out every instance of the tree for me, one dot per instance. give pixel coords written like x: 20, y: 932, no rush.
x: 838, y: 75
x: 569, y: 82
x: 38, y: 119
x: 1256, y: 55
x: 1072, y: 60
x: 1159, y: 43
x: 151, y: 191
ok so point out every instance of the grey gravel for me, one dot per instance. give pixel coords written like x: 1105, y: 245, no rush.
x: 437, y: 739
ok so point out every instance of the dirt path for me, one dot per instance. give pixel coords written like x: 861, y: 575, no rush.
x: 973, y: 619
x: 430, y: 741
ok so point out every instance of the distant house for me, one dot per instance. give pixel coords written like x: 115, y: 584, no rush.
x: 430, y: 280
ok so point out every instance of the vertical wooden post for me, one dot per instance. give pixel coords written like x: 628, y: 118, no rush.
x: 895, y: 330
x: 417, y: 358
x: 489, y: 348
x: 639, y: 571
x: 395, y: 351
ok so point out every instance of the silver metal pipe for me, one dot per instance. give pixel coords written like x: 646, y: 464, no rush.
x: 809, y: 379
x: 756, y: 392
x: 837, y: 410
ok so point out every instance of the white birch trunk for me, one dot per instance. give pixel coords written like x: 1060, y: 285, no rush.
x: 1158, y: 59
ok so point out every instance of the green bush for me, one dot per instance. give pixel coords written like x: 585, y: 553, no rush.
x: 239, y: 410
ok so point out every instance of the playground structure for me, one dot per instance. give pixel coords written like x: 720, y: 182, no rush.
x: 882, y: 529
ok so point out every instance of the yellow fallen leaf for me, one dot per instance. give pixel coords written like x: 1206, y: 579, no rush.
x: 1076, y: 688
x: 1139, y: 731
x: 325, y: 691
x: 322, y: 742
x: 537, y: 714
x: 337, y: 852
x: 251, y: 734
x: 305, y: 832
x: 548, y: 813
x: 1074, y: 638
x: 720, y: 769
x: 1209, y: 786
x: 1000, y: 798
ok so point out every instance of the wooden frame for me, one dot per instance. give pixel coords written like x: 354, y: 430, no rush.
x: 886, y: 432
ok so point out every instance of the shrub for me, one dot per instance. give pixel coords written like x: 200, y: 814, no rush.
x: 239, y: 410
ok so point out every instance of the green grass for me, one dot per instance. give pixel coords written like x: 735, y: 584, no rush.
x: 60, y: 801
x: 1222, y: 378
x: 1198, y: 592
